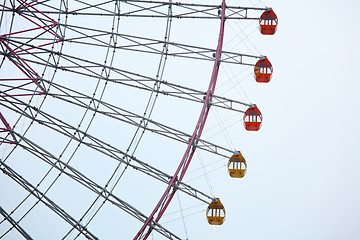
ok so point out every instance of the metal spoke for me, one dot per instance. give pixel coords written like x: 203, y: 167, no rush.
x: 108, y: 150
x: 85, y: 67
x: 14, y: 224
x: 124, y: 116
x: 74, y: 174
x: 45, y: 200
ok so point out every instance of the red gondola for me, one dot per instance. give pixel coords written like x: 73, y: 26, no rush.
x: 268, y: 22
x: 263, y: 70
x: 252, y: 119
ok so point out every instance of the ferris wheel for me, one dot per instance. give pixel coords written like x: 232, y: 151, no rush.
x: 103, y: 107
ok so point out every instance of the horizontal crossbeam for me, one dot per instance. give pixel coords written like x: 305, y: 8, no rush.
x: 154, y: 9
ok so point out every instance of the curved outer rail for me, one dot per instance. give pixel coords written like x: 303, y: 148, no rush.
x: 190, y: 150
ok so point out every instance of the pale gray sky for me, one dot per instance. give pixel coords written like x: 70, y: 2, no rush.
x: 302, y: 180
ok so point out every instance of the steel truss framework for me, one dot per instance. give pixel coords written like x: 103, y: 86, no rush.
x: 39, y: 46
x: 15, y: 224
x: 157, y: 9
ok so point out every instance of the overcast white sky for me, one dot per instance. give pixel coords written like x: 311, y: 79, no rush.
x: 302, y: 180
x: 306, y: 181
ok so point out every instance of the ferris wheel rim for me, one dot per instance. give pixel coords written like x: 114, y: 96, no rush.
x: 186, y: 159
x: 206, y: 100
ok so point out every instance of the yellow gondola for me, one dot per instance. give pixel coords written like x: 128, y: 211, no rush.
x: 237, y: 166
x: 215, y: 212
